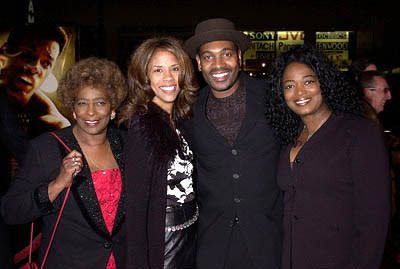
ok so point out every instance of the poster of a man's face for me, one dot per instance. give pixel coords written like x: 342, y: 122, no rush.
x: 29, y: 67
x: 32, y: 60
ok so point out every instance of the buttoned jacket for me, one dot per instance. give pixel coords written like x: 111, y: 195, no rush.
x: 337, y: 197
x: 236, y: 184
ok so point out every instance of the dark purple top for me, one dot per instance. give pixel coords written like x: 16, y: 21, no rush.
x: 227, y: 114
x: 337, y: 197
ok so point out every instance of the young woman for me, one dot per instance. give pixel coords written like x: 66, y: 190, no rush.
x: 161, y: 206
x: 333, y: 169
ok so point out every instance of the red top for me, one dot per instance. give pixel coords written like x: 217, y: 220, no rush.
x: 108, y: 185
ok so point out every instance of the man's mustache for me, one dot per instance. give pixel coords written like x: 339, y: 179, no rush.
x: 220, y: 70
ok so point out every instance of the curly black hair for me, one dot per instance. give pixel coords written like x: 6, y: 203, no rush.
x: 337, y: 91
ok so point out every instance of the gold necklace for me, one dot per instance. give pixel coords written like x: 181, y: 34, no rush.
x: 308, y: 133
x: 319, y: 126
x: 92, y: 163
x: 299, y: 141
x: 89, y: 160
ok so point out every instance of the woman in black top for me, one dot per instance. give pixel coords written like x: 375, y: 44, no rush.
x: 161, y: 206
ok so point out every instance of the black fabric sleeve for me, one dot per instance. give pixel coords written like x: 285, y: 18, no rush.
x: 27, y: 199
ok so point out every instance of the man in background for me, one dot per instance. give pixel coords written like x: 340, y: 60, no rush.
x: 375, y: 93
x: 375, y: 89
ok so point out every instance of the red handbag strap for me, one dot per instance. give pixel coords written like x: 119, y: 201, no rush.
x: 31, y: 244
x: 34, y: 245
x: 61, y: 210
x: 62, y: 142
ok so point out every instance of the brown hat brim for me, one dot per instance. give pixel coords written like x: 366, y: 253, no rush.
x: 193, y: 43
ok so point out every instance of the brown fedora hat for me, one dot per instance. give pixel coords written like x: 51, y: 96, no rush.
x: 215, y: 30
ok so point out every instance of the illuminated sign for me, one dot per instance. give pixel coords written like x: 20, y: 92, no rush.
x: 286, y: 40
x: 266, y: 45
x: 266, y: 35
x: 335, y: 45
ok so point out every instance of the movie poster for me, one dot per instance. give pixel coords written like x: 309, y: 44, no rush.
x: 15, y: 69
x: 33, y: 59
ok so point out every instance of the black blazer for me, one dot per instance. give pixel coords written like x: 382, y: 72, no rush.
x: 13, y: 140
x: 337, y: 197
x: 237, y: 180
x: 82, y: 239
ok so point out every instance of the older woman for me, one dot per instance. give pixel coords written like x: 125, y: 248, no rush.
x: 333, y: 170
x: 161, y: 207
x: 90, y: 232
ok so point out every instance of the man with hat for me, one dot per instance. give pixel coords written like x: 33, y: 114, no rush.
x: 235, y: 156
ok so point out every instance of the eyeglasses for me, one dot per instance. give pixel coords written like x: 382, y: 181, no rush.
x: 386, y: 90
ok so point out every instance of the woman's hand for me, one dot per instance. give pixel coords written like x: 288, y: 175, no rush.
x: 71, y: 166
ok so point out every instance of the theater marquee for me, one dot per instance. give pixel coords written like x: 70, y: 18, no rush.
x: 266, y: 46
x: 335, y: 45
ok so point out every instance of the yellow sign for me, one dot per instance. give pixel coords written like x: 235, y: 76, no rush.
x: 335, y: 45
x: 286, y: 40
x: 266, y: 45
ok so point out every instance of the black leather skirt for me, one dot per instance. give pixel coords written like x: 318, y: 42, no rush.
x: 180, y: 236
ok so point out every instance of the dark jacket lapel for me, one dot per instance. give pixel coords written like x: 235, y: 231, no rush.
x: 84, y: 191
x: 254, y: 102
